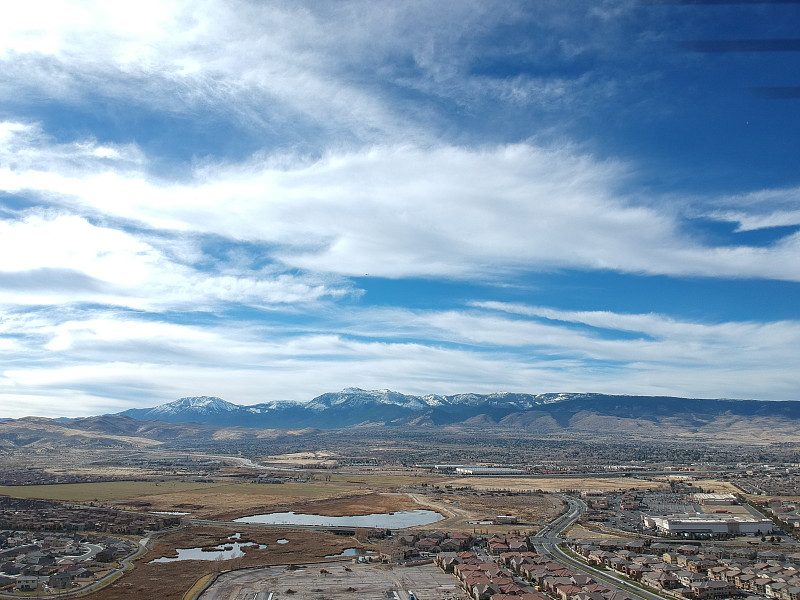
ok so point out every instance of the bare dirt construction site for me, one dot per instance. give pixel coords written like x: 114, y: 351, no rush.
x: 466, y: 512
x: 344, y: 581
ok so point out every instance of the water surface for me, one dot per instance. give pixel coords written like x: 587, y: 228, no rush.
x: 218, y: 553
x: 395, y: 520
x: 351, y: 552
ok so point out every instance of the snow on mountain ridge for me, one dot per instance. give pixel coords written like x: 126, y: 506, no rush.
x: 377, y: 405
x: 354, y: 397
x: 206, y: 404
x: 434, y: 400
x: 266, y: 407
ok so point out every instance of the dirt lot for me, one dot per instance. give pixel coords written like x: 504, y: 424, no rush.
x: 341, y: 582
x: 579, y: 532
x: 169, y: 581
x: 713, y: 486
x: 463, y: 511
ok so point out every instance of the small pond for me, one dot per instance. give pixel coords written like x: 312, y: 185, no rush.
x: 169, y: 512
x: 224, y: 551
x: 351, y: 552
x: 395, y: 520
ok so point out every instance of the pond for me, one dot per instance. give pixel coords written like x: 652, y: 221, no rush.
x: 395, y: 520
x: 169, y: 512
x: 224, y: 551
x: 350, y: 552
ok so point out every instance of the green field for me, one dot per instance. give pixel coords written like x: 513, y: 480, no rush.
x: 111, y: 490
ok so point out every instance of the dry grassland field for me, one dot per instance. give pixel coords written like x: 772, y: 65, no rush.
x: 170, y: 581
x: 111, y: 490
x: 387, y: 481
x: 221, y: 501
x: 242, y: 500
x: 342, y: 494
x: 555, y: 484
x: 726, y: 487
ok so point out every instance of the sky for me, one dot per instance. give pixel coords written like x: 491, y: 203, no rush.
x: 265, y: 200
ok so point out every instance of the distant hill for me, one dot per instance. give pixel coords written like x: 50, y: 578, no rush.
x: 39, y: 433
x: 119, y: 432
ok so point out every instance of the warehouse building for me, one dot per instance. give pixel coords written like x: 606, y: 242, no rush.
x: 708, y: 524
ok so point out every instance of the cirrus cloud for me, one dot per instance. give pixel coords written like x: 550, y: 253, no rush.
x: 401, y: 211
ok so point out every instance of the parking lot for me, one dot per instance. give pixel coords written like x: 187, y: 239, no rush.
x: 336, y: 581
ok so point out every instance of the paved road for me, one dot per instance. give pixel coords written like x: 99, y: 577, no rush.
x: 125, y: 563
x: 546, y: 543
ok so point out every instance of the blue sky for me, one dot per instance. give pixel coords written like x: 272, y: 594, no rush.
x: 268, y: 201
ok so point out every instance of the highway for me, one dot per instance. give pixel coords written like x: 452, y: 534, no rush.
x: 547, y: 540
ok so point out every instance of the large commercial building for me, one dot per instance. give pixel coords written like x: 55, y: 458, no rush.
x: 466, y: 470
x: 715, y: 499
x: 708, y: 524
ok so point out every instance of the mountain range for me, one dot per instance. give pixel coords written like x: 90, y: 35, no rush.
x: 351, y: 406
x: 541, y: 412
x: 547, y: 415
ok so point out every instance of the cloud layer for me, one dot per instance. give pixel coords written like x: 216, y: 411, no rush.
x: 387, y: 211
x: 212, y: 199
x: 485, y: 348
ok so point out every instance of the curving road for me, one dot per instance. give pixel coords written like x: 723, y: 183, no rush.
x: 93, y: 549
x: 547, y: 540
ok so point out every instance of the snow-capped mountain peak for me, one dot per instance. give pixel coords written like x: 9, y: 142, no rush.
x: 204, y: 404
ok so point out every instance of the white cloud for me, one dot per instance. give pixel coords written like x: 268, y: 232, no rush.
x: 355, y: 70
x: 119, y: 360
x: 399, y: 211
x: 54, y: 258
x: 245, y: 59
x: 662, y: 340
x: 370, y: 91
x: 760, y: 209
x: 624, y: 342
x: 24, y: 148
